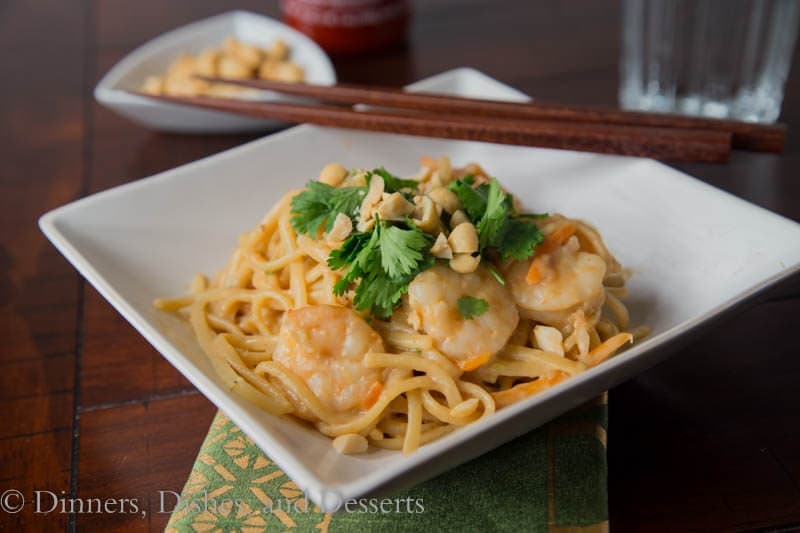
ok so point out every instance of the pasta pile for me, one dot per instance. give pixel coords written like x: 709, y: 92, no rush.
x: 380, y: 323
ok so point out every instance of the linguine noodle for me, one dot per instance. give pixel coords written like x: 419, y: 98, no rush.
x: 398, y: 382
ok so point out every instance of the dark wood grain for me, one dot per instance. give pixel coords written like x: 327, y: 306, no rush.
x: 672, y: 144
x: 111, y: 342
x: 744, y: 135
x: 41, y: 167
x: 705, y: 441
x: 135, y: 451
x: 38, y: 461
x: 706, y: 425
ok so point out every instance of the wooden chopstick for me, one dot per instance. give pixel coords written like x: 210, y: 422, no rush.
x: 660, y: 143
x: 745, y: 135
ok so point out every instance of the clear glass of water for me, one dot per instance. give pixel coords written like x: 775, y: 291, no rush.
x: 716, y: 58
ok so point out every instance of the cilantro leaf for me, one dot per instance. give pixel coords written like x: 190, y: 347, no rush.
x: 473, y: 199
x: 358, y: 252
x: 520, y: 238
x: 491, y: 225
x: 381, y: 294
x: 498, y: 224
x: 381, y: 264
x: 469, y: 307
x: 392, y: 183
x: 378, y: 294
x: 320, y: 203
x: 502, y: 229
x: 401, y: 249
x: 350, y: 249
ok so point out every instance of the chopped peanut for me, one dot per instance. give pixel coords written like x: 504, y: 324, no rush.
x: 444, y: 169
x: 375, y: 192
x: 445, y: 198
x: 464, y: 239
x: 425, y: 216
x: 342, y: 227
x: 248, y: 55
x: 440, y: 248
x: 207, y: 63
x: 549, y: 339
x: 370, y: 201
x: 278, y: 51
x: 355, y: 179
x: 464, y: 263
x: 231, y: 67
x: 332, y: 174
x: 366, y: 225
x: 394, y: 206
x: 457, y: 218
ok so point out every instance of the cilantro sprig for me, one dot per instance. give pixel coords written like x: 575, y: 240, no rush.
x: 473, y: 199
x: 500, y: 227
x: 470, y: 307
x: 319, y: 204
x: 380, y: 265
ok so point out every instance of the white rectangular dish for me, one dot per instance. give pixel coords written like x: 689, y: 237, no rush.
x: 696, y: 252
x: 155, y: 56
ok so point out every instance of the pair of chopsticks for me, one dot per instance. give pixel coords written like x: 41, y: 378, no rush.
x: 609, y: 131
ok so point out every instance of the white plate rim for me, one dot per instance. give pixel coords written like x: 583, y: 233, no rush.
x: 284, y: 458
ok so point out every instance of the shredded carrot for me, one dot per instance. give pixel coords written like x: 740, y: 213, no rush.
x: 534, y: 275
x: 372, y: 395
x: 523, y: 390
x: 429, y: 162
x: 556, y: 239
x: 474, y: 362
x: 607, y: 348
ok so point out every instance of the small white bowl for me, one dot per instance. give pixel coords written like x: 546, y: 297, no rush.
x: 154, y: 57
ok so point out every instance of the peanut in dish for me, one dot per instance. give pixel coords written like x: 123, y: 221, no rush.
x: 234, y: 59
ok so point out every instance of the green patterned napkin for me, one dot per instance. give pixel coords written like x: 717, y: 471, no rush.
x: 552, y: 479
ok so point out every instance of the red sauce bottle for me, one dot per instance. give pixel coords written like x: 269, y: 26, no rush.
x: 349, y: 26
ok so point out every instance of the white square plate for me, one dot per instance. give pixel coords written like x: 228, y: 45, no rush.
x: 154, y: 57
x: 696, y: 252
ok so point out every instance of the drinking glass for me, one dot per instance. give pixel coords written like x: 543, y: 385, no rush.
x: 716, y: 58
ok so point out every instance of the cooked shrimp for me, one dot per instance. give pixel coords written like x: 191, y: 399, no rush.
x: 566, y: 280
x: 433, y: 308
x: 325, y: 345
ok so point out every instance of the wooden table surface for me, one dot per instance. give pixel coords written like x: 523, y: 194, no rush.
x: 707, y: 440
